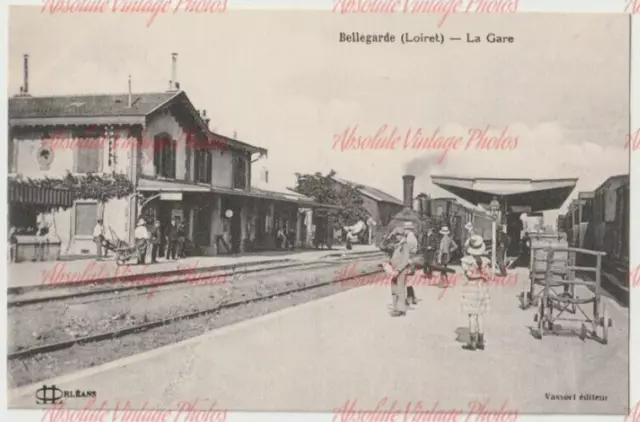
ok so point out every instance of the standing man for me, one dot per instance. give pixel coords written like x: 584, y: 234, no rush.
x: 182, y: 239
x: 172, y: 240
x: 401, y: 261
x: 429, y: 248
x: 142, y: 238
x: 98, y: 236
x: 155, y: 241
x: 502, y: 242
x: 526, y: 248
x: 447, y: 247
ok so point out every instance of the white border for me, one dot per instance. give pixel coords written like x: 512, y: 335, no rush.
x: 572, y: 6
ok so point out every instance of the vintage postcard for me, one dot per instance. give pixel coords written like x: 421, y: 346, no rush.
x: 407, y: 214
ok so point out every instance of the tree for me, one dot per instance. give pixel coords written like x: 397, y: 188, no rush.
x: 325, y: 190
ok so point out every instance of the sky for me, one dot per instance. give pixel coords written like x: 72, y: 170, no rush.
x: 282, y: 81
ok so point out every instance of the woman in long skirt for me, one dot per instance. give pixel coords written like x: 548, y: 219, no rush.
x: 475, y: 294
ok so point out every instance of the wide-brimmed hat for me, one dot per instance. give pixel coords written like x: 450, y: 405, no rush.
x: 141, y: 222
x: 445, y: 230
x: 468, y: 226
x: 476, y: 246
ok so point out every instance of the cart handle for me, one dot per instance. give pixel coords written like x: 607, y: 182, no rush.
x: 579, y: 250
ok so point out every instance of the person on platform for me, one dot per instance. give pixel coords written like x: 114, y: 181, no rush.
x: 475, y: 297
x: 401, y: 262
x: 13, y: 242
x: 141, y: 235
x: 98, y: 237
x: 156, y: 236
x: 502, y: 243
x: 412, y: 239
x: 182, y: 240
x: 429, y: 247
x: 447, y: 247
x: 172, y: 240
x: 468, y: 234
x: 525, y: 248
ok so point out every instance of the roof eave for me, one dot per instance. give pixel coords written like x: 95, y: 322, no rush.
x: 80, y: 120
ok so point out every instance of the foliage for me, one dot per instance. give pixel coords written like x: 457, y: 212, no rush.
x: 90, y: 186
x: 325, y: 190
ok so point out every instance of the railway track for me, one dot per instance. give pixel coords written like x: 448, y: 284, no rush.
x: 190, y: 278
x: 113, y: 334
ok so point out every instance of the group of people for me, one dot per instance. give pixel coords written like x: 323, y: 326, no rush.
x: 434, y: 254
x: 173, y: 240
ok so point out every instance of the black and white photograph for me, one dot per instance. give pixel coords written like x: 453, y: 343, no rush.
x: 374, y: 216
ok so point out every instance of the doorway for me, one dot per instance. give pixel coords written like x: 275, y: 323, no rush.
x: 233, y: 224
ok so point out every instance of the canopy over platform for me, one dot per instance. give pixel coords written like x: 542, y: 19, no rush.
x: 518, y: 195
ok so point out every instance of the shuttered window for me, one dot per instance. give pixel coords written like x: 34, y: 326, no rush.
x: 88, y: 144
x: 86, y: 218
x: 164, y: 157
x: 203, y: 163
x: 88, y: 160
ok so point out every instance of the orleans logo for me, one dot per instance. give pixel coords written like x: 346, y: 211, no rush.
x: 48, y: 395
x: 54, y: 395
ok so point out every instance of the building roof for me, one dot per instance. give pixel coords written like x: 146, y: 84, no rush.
x: 621, y: 178
x: 87, y: 105
x: 539, y: 194
x: 154, y: 185
x: 371, y: 192
x: 107, y: 109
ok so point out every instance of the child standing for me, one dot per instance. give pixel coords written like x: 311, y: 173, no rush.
x: 475, y: 294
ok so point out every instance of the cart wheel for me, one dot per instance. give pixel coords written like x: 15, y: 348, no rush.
x: 120, y: 259
x: 550, y: 326
x: 605, y: 325
x: 525, y: 299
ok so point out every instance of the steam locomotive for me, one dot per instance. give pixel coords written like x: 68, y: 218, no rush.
x: 437, y: 213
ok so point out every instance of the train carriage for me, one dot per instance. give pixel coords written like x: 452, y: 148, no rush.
x: 611, y: 218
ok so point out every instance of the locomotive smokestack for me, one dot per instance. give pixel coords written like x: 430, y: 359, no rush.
x: 26, y: 75
x: 408, y: 190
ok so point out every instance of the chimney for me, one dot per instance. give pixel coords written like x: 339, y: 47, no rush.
x: 235, y: 135
x: 205, y: 118
x: 129, y: 102
x: 408, y: 190
x: 174, y: 71
x: 26, y: 75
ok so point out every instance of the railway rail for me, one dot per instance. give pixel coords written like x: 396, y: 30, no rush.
x: 188, y: 278
x: 113, y: 334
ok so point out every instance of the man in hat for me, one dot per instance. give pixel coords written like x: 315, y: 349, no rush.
x: 401, y: 261
x: 155, y: 237
x: 447, y: 247
x: 142, y: 237
x: 429, y: 249
x: 502, y: 243
x: 172, y: 239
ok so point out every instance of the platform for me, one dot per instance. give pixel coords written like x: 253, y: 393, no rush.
x: 31, y: 274
x: 346, y: 347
